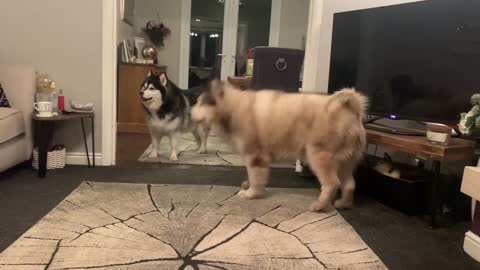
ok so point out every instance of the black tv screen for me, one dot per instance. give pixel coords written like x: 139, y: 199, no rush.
x: 418, y: 61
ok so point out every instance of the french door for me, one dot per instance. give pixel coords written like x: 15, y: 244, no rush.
x: 221, y: 32
x: 229, y: 44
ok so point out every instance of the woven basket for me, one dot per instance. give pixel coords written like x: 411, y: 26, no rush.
x: 55, y: 159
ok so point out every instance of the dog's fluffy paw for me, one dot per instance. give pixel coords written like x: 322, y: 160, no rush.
x: 173, y: 157
x: 250, y: 194
x: 318, y: 206
x: 343, y: 204
x: 243, y: 194
x: 202, y: 150
x: 153, y: 155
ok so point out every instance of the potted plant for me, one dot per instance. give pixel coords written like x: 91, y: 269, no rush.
x: 470, y: 122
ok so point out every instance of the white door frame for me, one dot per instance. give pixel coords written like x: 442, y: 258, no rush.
x: 312, y: 49
x: 229, y: 42
x: 275, y: 16
x: 184, y: 66
x: 109, y: 81
x: 109, y: 63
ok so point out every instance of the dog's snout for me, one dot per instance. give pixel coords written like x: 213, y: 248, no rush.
x: 195, y: 120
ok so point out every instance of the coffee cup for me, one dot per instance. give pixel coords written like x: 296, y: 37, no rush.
x: 44, y: 108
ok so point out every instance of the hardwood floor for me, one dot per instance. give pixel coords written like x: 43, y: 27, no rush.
x: 130, y: 146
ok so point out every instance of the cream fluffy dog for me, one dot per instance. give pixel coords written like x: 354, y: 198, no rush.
x: 264, y: 126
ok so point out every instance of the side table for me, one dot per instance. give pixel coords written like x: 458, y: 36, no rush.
x: 457, y: 150
x: 43, y: 131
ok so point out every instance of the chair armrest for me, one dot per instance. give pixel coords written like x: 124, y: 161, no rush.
x: 19, y: 85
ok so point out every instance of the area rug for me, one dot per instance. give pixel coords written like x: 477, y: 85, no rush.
x: 218, y: 153
x: 147, y: 227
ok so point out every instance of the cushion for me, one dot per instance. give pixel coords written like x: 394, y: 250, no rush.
x: 3, y: 98
x: 11, y: 124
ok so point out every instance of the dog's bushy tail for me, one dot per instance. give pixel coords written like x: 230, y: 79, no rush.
x: 351, y: 99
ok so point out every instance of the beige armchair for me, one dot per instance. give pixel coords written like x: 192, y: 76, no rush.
x: 16, y: 141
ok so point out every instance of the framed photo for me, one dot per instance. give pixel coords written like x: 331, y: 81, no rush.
x: 139, y: 43
x: 127, y: 11
x: 126, y: 53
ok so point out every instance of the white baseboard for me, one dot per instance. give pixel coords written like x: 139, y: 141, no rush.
x: 471, y: 245
x: 79, y: 158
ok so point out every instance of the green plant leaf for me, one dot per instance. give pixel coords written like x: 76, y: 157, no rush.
x: 471, y: 121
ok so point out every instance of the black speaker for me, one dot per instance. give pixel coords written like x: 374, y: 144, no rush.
x: 277, y: 68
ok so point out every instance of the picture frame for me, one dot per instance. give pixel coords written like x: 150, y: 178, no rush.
x: 126, y: 54
x: 127, y: 11
x: 139, y: 44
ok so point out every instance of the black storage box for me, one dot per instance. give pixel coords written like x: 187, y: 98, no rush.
x: 408, y: 196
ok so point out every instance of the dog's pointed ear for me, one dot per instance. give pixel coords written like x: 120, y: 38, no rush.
x: 150, y: 73
x: 217, y: 88
x: 214, y: 84
x: 163, y: 79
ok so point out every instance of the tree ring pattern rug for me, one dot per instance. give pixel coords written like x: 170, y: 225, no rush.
x: 147, y: 227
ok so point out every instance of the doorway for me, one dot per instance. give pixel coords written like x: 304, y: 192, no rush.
x: 210, y: 39
x: 221, y: 33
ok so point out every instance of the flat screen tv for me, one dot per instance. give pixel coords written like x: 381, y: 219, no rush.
x: 418, y: 61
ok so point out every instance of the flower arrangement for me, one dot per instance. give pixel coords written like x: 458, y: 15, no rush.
x: 157, y: 32
x: 251, y: 53
x: 44, y: 83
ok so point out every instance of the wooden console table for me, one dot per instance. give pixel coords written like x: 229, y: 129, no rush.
x: 457, y: 150
x: 240, y: 82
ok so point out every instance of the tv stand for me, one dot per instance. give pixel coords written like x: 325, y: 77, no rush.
x: 373, y: 119
x: 456, y: 150
x: 395, y: 130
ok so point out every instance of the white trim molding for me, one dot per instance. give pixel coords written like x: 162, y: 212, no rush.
x: 229, y: 42
x: 275, y: 23
x: 312, y: 50
x: 471, y: 245
x: 109, y: 81
x: 80, y: 158
x: 186, y: 17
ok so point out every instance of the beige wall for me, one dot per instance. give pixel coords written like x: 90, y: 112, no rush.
x: 293, y: 23
x: 170, y: 13
x: 64, y: 39
x: 124, y: 30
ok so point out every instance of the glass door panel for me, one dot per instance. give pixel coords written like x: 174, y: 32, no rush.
x: 206, y: 41
x: 253, y: 30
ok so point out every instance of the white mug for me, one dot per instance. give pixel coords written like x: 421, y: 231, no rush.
x: 44, y: 108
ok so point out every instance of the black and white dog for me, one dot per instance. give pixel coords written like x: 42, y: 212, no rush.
x: 167, y: 109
